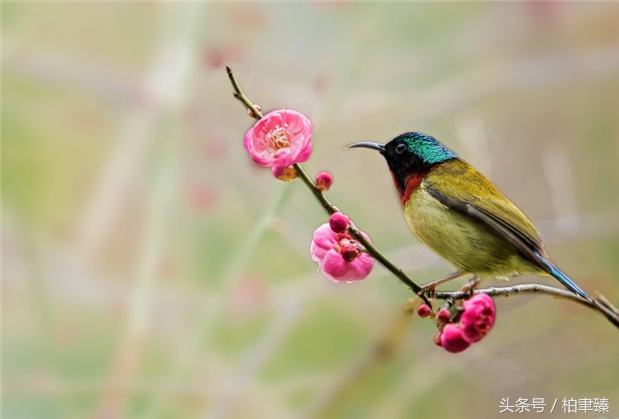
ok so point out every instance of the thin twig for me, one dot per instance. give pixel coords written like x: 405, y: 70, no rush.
x: 238, y: 93
x: 327, y: 205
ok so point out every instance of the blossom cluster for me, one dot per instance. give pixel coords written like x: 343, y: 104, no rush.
x: 340, y: 257
x: 470, y: 324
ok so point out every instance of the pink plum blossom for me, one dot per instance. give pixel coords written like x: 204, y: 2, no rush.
x: 334, y: 254
x: 452, y: 338
x: 478, y: 317
x: 475, y: 321
x: 280, y: 139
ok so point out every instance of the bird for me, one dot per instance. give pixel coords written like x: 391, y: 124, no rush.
x: 459, y: 214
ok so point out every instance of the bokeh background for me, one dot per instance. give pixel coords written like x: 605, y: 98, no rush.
x: 150, y: 270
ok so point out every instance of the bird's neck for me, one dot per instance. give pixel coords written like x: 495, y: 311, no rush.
x: 409, y: 173
x: 408, y: 183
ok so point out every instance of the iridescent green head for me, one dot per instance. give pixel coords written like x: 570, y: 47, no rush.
x: 410, y: 153
x: 417, y: 146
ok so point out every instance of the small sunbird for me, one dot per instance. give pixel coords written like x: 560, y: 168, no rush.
x: 461, y: 215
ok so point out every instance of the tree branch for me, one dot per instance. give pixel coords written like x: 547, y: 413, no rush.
x: 601, y: 304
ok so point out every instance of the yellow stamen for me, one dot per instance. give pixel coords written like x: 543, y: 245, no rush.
x: 278, y: 138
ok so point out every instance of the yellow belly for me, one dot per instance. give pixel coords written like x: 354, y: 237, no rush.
x: 461, y: 241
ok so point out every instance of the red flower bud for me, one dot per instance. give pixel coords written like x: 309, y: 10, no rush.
x: 424, y: 311
x: 444, y: 316
x: 339, y: 222
x: 324, y: 180
x: 349, y: 252
x: 452, y: 339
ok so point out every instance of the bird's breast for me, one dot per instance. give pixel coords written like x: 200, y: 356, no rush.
x: 458, y: 239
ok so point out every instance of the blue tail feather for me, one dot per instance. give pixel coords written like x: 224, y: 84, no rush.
x: 563, y: 278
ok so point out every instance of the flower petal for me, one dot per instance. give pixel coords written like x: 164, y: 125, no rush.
x: 323, y: 240
x: 334, y: 266
x: 452, y: 339
x: 477, y: 317
x: 305, y: 153
x: 324, y: 237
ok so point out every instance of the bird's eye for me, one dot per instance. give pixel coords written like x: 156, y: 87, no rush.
x: 400, y: 148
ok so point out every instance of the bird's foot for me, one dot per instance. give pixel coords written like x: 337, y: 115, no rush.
x: 430, y: 287
x: 428, y: 291
x: 470, y: 286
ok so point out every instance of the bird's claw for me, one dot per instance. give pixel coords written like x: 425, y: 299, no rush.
x: 469, y: 287
x: 429, y: 290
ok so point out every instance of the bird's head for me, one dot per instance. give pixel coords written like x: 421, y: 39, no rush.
x: 411, y: 153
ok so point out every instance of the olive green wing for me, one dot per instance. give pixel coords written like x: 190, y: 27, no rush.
x: 460, y: 187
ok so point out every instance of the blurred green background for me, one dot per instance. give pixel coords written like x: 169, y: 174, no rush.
x: 150, y: 270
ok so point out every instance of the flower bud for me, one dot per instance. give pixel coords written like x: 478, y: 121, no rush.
x: 349, y: 252
x: 339, y: 222
x: 324, y: 180
x: 424, y: 311
x: 444, y: 316
x: 285, y: 174
x: 251, y: 113
x: 452, y: 339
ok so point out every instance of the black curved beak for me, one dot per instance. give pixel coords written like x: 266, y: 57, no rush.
x: 368, y: 144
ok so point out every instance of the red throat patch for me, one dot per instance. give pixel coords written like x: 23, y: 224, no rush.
x: 412, y: 183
